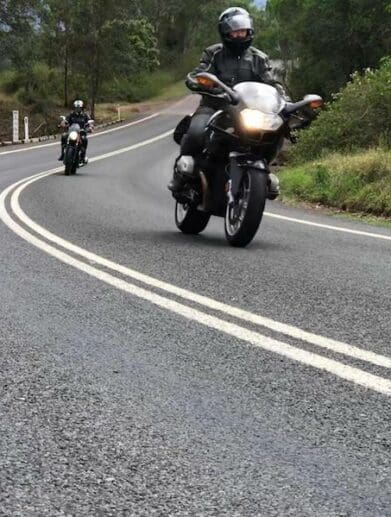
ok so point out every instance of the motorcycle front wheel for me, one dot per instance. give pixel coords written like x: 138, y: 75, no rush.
x: 190, y: 220
x: 70, y: 160
x: 243, y: 217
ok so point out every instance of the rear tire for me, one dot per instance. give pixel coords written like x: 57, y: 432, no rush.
x: 242, y: 220
x: 189, y: 220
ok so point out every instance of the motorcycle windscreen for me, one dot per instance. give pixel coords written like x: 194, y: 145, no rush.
x: 262, y: 97
x: 74, y: 127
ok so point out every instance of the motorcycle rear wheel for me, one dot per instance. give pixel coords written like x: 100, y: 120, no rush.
x: 242, y: 218
x: 189, y: 220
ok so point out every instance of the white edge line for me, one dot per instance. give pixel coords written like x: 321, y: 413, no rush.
x: 328, y: 226
x: 94, y: 135
x: 289, y: 330
x: 343, y: 371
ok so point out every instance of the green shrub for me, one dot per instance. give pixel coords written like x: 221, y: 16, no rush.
x: 147, y: 85
x: 39, y: 87
x: 180, y: 66
x: 359, y: 117
x: 358, y: 182
x: 138, y: 88
x: 9, y: 82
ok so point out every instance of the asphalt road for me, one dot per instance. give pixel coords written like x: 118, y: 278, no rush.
x: 145, y: 372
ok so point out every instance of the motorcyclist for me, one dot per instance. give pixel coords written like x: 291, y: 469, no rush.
x: 233, y: 60
x: 77, y: 116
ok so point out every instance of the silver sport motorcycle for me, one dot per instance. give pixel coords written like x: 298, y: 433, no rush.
x: 232, y: 178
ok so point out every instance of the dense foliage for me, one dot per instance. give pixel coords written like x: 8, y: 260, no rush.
x: 95, y: 44
x: 325, y: 41
x: 101, y: 49
x: 358, y: 117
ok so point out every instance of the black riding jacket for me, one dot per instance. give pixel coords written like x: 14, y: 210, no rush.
x: 78, y: 118
x: 250, y: 65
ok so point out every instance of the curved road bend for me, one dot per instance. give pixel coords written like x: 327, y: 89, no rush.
x: 145, y: 372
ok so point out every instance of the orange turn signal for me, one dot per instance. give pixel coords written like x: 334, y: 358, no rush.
x: 205, y: 82
x: 316, y: 104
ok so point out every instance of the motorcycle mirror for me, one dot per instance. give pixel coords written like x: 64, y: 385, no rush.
x: 63, y: 121
x: 314, y: 101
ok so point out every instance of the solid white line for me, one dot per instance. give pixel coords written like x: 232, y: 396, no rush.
x: 282, y: 328
x: 329, y: 226
x: 343, y: 371
x: 94, y: 135
x: 132, y: 147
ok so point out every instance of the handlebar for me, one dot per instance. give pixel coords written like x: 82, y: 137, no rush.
x: 312, y: 100
x: 228, y: 93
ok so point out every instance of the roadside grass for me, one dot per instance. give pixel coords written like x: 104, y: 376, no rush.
x: 172, y: 92
x: 107, y: 112
x: 359, y: 182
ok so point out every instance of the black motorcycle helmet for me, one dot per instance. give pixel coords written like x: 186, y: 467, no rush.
x: 234, y: 19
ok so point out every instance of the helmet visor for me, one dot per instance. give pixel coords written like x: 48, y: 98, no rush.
x: 237, y: 23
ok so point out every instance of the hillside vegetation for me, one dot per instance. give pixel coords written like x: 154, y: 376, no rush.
x: 359, y: 117
x: 350, y: 142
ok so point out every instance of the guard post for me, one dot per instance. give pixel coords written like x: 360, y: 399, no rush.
x: 26, y: 129
x: 15, y: 126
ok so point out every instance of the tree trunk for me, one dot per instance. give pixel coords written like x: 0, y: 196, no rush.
x: 95, y: 79
x: 66, y: 76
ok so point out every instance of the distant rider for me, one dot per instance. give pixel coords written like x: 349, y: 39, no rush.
x: 77, y: 116
x: 233, y: 60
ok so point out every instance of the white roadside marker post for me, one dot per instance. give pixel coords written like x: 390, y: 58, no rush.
x: 15, y: 126
x: 26, y: 130
x: 119, y: 112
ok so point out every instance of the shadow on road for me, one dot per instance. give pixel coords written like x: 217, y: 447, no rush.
x: 78, y: 174
x: 208, y: 241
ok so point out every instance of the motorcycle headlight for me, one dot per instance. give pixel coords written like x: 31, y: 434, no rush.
x: 256, y: 120
x: 73, y: 135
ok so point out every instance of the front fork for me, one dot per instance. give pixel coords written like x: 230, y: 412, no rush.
x: 237, y: 164
x: 75, y: 148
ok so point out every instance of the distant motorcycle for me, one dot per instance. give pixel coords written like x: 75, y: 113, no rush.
x: 74, y: 154
x: 232, y: 177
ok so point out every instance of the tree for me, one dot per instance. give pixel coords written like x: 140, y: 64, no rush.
x: 330, y: 39
x: 111, y: 44
x: 59, y: 41
x: 18, y: 32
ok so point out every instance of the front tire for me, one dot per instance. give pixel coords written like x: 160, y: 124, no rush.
x: 189, y: 220
x: 242, y: 218
x: 69, y: 161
